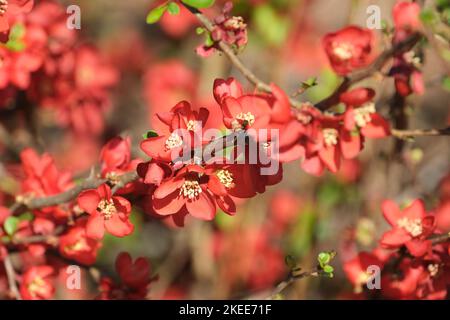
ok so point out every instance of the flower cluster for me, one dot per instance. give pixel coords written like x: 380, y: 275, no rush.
x: 41, y: 58
x: 230, y: 29
x: 414, y: 263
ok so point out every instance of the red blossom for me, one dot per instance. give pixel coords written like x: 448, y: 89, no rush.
x: 37, y: 284
x: 349, y: 49
x: 107, y: 212
x: 410, y: 227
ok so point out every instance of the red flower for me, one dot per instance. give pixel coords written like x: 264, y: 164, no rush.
x: 410, y: 227
x: 349, y: 49
x: 407, y: 15
x: 135, y: 278
x: 135, y: 274
x: 36, y: 284
x: 357, y: 269
x: 9, y: 8
x: 76, y: 245
x: 42, y: 178
x: 106, y: 212
x: 184, y: 125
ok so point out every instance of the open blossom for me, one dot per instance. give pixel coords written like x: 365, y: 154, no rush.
x: 107, y: 212
x: 10, y: 8
x: 37, y: 284
x: 42, y: 178
x: 349, y: 49
x: 77, y: 246
x: 410, y: 227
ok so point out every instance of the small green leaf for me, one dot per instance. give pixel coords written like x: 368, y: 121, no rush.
x: 27, y: 216
x: 324, y: 258
x: 17, y: 31
x: 209, y: 42
x: 11, y: 224
x: 328, y: 269
x: 173, y: 8
x: 311, y: 82
x: 156, y: 14
x: 150, y: 134
x: 200, y: 30
x: 199, y: 4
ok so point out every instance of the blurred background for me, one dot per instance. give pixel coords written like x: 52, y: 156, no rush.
x: 244, y: 256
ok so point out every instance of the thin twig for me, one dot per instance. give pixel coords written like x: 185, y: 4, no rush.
x: 405, y: 134
x: 291, y: 279
x: 11, y: 275
x: 89, y: 183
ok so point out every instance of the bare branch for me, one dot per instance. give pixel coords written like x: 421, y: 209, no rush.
x: 11, y: 275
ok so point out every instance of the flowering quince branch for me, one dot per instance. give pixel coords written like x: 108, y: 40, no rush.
x: 405, y: 134
x: 376, y: 66
x: 229, y: 53
x: 63, y: 197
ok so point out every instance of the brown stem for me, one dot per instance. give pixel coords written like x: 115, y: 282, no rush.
x: 405, y: 134
x: 291, y: 279
x: 89, y: 183
x: 229, y: 53
x: 11, y: 275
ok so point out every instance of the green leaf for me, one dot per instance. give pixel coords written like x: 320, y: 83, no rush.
x: 173, y: 8
x: 27, y: 216
x: 328, y: 269
x: 324, y: 258
x: 156, y: 14
x: 17, y: 31
x: 209, y: 42
x: 311, y: 82
x: 11, y: 224
x: 199, y: 4
x: 200, y: 30
x: 150, y: 134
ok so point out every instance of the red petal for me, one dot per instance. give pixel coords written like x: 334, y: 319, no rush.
x: 418, y: 248
x: 395, y: 238
x: 350, y: 144
x: 377, y: 128
x: 202, y: 208
x: 391, y: 212
x: 331, y: 158
x: 88, y: 200
x: 416, y: 210
x: 118, y: 227
x: 95, y: 227
x: 313, y: 166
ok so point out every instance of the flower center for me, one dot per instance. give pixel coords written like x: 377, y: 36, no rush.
x: 174, y: 141
x: 362, y: 115
x: 413, y: 227
x: 226, y: 178
x: 190, y: 189
x: 343, y: 51
x: 191, y: 125
x: 3, y: 7
x: 80, y: 245
x: 330, y: 136
x: 235, y: 23
x: 107, y: 208
x: 36, y: 286
x: 244, y: 120
x: 433, y: 269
